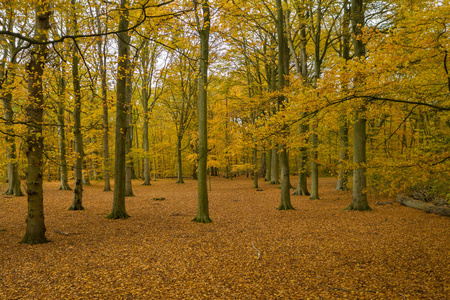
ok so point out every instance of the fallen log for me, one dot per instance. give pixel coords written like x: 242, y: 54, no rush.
x: 427, y: 207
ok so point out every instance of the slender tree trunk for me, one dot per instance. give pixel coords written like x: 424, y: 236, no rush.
x: 179, y: 161
x: 274, y: 166
x: 129, y: 138
x: 359, y: 201
x: 118, y: 208
x: 343, y: 155
x: 283, y: 69
x: 13, y: 166
x: 101, y: 48
x: 64, y: 178
x: 269, y: 165
x: 78, y: 190
x: 202, y: 205
x: 314, y: 164
x: 8, y: 114
x: 302, y: 187
x: 255, y: 167
x: 35, y: 232
x: 343, y: 123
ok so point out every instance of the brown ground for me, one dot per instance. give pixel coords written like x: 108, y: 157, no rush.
x: 318, y: 251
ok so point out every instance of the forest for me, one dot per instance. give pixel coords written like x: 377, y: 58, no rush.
x: 291, y: 126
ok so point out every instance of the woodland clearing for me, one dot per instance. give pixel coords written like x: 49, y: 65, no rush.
x: 250, y: 251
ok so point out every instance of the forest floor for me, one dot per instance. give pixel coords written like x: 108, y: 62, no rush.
x: 318, y: 251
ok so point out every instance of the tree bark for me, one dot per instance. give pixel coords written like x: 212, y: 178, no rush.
x: 204, y: 29
x: 13, y: 166
x: 101, y: 48
x: 78, y: 190
x: 359, y: 201
x: 118, y: 208
x: 8, y: 114
x: 343, y: 123
x: 269, y: 165
x: 427, y: 207
x: 283, y: 70
x: 64, y: 178
x: 128, y: 137
x: 35, y: 232
x: 302, y: 187
x: 274, y: 166
x: 179, y: 161
x: 314, y: 164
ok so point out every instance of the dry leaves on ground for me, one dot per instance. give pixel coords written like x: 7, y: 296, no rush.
x: 250, y: 251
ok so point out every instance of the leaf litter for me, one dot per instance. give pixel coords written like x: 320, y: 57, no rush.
x: 250, y: 251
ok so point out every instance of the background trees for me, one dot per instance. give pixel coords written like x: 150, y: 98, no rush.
x: 388, y: 89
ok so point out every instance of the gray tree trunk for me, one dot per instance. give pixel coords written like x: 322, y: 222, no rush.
x: 203, y: 29
x: 64, y: 178
x: 283, y: 70
x: 35, y: 232
x: 255, y: 167
x: 343, y: 155
x: 359, y: 201
x: 274, y: 166
x: 179, y: 161
x: 118, y: 208
x: 269, y: 165
x: 343, y: 123
x: 78, y: 190
x: 302, y: 187
x: 101, y: 48
x: 314, y: 164
x: 8, y: 114
x: 128, y: 138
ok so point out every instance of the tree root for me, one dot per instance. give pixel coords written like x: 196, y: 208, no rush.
x: 115, y: 215
x: 202, y: 219
x: 285, y: 206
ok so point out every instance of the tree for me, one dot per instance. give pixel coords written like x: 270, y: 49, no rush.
x: 78, y: 190
x: 343, y: 122
x: 203, y: 30
x: 118, y: 209
x: 7, y: 76
x: 35, y: 232
x: 283, y: 62
x: 64, y: 186
x: 359, y: 201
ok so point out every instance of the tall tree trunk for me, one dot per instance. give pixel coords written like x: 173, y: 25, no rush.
x: 129, y: 138
x: 314, y: 137
x: 64, y: 178
x: 203, y: 29
x: 118, y: 209
x: 302, y: 70
x: 359, y: 201
x: 78, y: 190
x: 283, y: 69
x: 343, y: 123
x: 13, y: 166
x: 8, y: 115
x: 101, y: 48
x: 35, y: 232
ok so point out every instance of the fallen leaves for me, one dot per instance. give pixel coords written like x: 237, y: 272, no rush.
x: 317, y: 251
